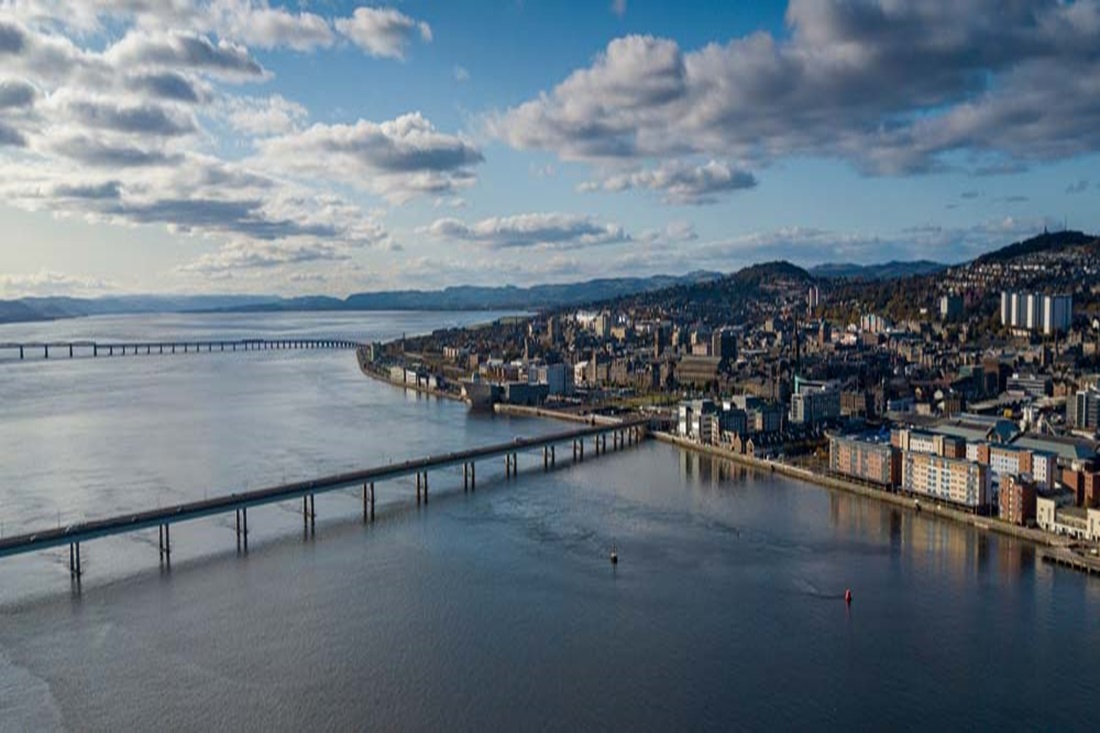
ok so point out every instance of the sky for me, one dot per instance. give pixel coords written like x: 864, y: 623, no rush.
x: 331, y: 147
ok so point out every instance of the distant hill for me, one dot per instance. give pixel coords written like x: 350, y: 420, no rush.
x: 464, y: 297
x: 53, y: 308
x: 1045, y: 242
x: 884, y: 271
x: 766, y: 272
x: 476, y: 297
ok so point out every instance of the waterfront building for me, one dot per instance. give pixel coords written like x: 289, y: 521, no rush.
x: 868, y: 458
x: 1056, y: 513
x: 694, y: 421
x: 952, y: 480
x: 1016, y: 502
x: 919, y: 441
x: 1004, y: 460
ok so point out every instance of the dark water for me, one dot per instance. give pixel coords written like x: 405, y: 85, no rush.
x: 499, y: 609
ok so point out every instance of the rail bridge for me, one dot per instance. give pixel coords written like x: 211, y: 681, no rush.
x: 85, y: 348
x: 623, y: 435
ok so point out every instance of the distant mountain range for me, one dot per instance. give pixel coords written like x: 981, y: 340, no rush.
x: 508, y: 297
x: 54, y: 308
x: 885, y: 271
x: 466, y: 297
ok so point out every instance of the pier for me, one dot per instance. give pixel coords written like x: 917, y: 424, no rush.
x: 95, y: 349
x: 623, y: 435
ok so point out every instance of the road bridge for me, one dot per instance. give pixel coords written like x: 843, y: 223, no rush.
x: 623, y: 435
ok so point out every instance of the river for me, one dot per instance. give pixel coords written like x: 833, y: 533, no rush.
x: 491, y: 610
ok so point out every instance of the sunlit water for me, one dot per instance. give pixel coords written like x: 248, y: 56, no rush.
x: 491, y: 610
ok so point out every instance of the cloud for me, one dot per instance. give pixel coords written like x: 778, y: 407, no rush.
x: 681, y: 183
x: 265, y: 27
x: 893, y: 87
x: 383, y: 32
x: 50, y: 282
x: 143, y: 119
x: 169, y: 86
x: 970, y: 194
x: 11, y: 137
x: 16, y: 94
x: 618, y: 7
x: 1079, y: 186
x: 397, y: 159
x: 104, y: 108
x: 274, y: 115
x: 184, y: 51
x: 460, y: 74
x: 673, y: 233
x: 247, y: 255
x: 547, y: 231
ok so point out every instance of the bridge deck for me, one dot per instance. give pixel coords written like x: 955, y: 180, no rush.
x: 84, y: 531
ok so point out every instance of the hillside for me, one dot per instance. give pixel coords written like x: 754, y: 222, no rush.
x: 885, y: 271
x: 1047, y: 242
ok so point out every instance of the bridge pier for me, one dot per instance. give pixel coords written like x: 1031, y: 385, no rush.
x: 70, y: 351
x: 165, y: 544
x: 368, y: 502
x: 47, y: 349
x: 74, y: 560
x: 546, y: 458
x: 242, y: 529
x: 309, y: 512
x: 421, y: 487
x: 20, y: 352
x: 465, y: 477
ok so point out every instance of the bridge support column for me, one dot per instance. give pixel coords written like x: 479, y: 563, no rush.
x: 70, y: 351
x: 20, y: 352
x: 368, y: 502
x: 165, y: 544
x: 546, y: 458
x: 47, y: 350
x: 242, y: 529
x: 309, y: 511
x: 425, y: 488
x: 74, y: 560
x: 553, y: 457
x: 473, y: 476
x: 465, y: 477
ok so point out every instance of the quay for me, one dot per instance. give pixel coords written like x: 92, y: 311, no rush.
x: 623, y: 435
x: 73, y: 349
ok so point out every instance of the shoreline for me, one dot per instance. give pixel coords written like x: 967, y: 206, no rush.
x: 1051, y: 548
x: 381, y: 376
x: 1036, y: 537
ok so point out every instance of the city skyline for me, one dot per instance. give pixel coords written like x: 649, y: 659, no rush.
x: 334, y: 147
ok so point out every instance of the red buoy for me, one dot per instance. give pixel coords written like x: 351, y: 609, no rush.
x: 848, y: 596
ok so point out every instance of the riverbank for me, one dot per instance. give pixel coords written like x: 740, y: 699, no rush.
x: 368, y: 368
x: 928, y: 506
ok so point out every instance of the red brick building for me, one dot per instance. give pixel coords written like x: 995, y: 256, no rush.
x: 1017, y: 499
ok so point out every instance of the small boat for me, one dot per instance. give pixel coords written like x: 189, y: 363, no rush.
x: 614, y: 555
x: 848, y: 596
